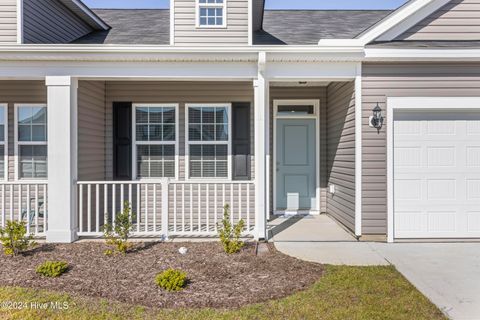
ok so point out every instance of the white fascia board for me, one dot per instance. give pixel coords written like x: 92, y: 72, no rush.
x: 30, y: 70
x: 417, y: 7
x: 412, y: 20
x: 86, y: 13
x: 422, y: 55
x: 98, y: 48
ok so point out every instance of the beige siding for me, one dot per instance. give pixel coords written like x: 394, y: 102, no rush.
x: 91, y: 130
x: 235, y: 33
x: 49, y: 21
x: 458, y: 20
x: 8, y: 21
x: 341, y: 152
x: 318, y: 93
x: 174, y: 92
x: 381, y: 81
x: 15, y: 92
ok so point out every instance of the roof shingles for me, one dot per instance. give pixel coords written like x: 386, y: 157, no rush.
x: 290, y: 27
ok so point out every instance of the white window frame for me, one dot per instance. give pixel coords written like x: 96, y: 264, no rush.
x: 4, y: 143
x: 228, y: 106
x: 29, y: 143
x: 135, y: 143
x: 198, y: 5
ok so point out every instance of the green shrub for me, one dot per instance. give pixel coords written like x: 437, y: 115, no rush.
x: 52, y: 269
x: 14, y: 238
x: 230, y: 233
x: 171, y: 280
x: 118, y: 236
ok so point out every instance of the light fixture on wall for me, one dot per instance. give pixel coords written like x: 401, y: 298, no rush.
x: 376, y: 121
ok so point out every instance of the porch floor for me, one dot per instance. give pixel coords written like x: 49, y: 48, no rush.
x: 307, y: 228
x: 321, y: 239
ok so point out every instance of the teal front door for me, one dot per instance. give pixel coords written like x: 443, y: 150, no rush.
x: 296, y: 175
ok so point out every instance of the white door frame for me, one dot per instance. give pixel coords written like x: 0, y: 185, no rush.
x: 415, y: 104
x: 316, y: 116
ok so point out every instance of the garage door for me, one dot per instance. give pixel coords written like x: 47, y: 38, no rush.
x: 437, y: 175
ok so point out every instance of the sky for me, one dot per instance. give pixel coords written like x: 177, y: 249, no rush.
x: 271, y: 4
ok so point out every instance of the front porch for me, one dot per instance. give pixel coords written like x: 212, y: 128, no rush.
x: 97, y: 151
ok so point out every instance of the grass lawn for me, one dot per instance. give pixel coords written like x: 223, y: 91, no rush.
x: 343, y: 293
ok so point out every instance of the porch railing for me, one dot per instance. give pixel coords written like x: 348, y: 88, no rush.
x: 25, y: 201
x: 163, y: 208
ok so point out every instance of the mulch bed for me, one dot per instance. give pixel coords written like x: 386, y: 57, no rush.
x: 217, y: 280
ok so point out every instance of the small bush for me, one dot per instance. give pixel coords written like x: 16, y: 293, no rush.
x: 171, y: 280
x: 52, y: 269
x: 118, y: 236
x: 14, y: 238
x: 230, y: 233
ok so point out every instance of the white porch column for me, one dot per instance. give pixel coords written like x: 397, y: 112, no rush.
x: 358, y: 150
x: 62, y: 158
x: 261, y: 92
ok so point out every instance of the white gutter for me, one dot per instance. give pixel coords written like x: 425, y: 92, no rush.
x: 183, y: 54
x: 423, y: 55
x: 166, y: 48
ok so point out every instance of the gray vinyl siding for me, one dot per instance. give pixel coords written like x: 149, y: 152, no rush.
x: 341, y: 152
x: 175, y: 92
x: 187, y: 34
x: 91, y: 130
x: 458, y: 20
x: 19, y: 92
x: 8, y: 21
x: 396, y: 80
x: 49, y: 21
x: 317, y: 93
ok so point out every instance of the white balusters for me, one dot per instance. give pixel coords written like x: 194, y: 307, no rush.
x: 197, y: 207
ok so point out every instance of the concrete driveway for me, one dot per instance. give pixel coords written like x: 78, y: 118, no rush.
x: 448, y: 274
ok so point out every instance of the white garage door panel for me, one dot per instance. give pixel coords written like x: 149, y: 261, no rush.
x: 437, y: 175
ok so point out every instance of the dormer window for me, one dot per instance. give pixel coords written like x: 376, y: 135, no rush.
x: 211, y: 13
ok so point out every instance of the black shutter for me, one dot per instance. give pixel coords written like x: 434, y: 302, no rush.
x: 122, y: 141
x: 241, y: 140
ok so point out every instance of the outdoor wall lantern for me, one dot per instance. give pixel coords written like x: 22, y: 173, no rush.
x: 376, y: 121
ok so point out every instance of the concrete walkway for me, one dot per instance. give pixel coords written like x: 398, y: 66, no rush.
x: 321, y: 239
x: 447, y: 273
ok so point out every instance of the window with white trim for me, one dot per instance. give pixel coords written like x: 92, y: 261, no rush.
x: 31, y: 141
x: 3, y: 141
x: 211, y: 13
x: 208, y: 141
x: 155, y: 141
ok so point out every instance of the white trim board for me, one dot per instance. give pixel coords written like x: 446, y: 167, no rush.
x: 5, y: 141
x: 316, y: 117
x: 414, y: 104
x: 19, y: 21
x: 172, y: 22
x: 358, y: 151
x: 402, y: 19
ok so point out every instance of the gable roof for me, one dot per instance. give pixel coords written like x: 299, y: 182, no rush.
x: 306, y: 27
x: 131, y: 26
x: 86, y: 14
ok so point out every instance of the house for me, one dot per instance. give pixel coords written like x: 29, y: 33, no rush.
x: 372, y: 117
